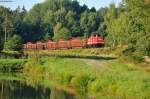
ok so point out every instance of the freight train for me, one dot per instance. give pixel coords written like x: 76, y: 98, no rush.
x: 92, y: 41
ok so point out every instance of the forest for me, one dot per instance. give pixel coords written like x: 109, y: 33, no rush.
x: 127, y: 24
x: 118, y: 70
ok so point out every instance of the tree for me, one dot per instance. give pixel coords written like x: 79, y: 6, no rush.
x: 89, y: 22
x: 13, y: 43
x: 102, y: 26
x: 61, y: 32
x: 139, y: 22
x: 47, y: 36
x: 76, y: 31
x: 49, y: 23
x: 1, y: 44
x: 93, y: 9
x: 110, y: 20
x: 18, y: 16
x: 34, y: 22
x: 6, y: 24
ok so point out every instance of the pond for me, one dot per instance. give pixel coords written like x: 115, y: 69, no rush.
x: 13, y: 87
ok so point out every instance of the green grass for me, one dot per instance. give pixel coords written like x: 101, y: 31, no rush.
x: 11, y: 54
x: 122, y: 81
x: 80, y: 53
x: 11, y: 76
x: 118, y: 81
x: 8, y: 65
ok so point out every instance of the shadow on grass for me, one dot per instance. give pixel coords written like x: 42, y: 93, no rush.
x: 81, y: 57
x: 90, y: 57
x: 17, y: 55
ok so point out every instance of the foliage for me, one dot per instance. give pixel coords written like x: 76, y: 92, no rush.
x: 117, y: 81
x: 13, y: 44
x: 52, y: 19
x: 33, y: 67
x: 61, y: 32
x: 11, y: 54
x: 115, y: 22
x: 8, y: 65
x: 93, y: 53
x: 11, y: 23
x: 126, y: 24
x: 138, y: 16
x: 81, y: 82
x: 1, y: 44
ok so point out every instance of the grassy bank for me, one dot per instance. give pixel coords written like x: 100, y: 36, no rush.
x: 93, y: 53
x: 8, y: 65
x: 103, y: 79
x: 73, y: 52
x: 11, y: 54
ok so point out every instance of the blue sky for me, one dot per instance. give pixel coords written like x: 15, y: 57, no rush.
x: 29, y: 3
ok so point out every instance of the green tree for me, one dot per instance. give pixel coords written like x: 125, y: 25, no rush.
x: 89, y: 22
x: 1, y: 44
x: 138, y: 25
x: 34, y: 22
x: 18, y: 16
x: 61, y: 32
x: 6, y: 24
x: 13, y: 43
x: 47, y: 36
x: 110, y: 21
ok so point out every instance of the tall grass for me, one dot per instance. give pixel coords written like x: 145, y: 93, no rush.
x: 73, y: 52
x: 8, y: 65
x: 120, y: 81
x: 11, y: 54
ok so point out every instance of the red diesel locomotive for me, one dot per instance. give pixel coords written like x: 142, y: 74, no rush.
x: 92, y: 41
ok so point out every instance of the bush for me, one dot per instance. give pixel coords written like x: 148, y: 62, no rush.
x: 81, y: 82
x: 95, y: 86
x: 33, y: 67
x: 65, y: 78
x: 8, y: 65
x: 11, y: 54
x: 132, y: 55
x: 128, y: 51
x: 13, y: 44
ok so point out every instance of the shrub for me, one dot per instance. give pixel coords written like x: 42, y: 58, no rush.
x: 8, y: 65
x: 13, y: 44
x: 33, y: 67
x: 81, y: 82
x: 132, y: 55
x: 65, y: 78
x: 95, y: 86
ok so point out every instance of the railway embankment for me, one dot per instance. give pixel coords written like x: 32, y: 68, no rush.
x: 119, y: 53
x: 74, y: 53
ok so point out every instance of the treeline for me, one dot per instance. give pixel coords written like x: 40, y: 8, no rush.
x: 53, y: 19
x: 61, y: 19
x: 128, y: 24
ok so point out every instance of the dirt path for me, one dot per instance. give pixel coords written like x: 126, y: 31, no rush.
x: 97, y: 64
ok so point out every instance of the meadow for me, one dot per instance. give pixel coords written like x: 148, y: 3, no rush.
x: 104, y: 79
x: 10, y: 65
x: 95, y: 73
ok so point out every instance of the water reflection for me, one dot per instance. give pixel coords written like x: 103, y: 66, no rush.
x: 13, y: 89
x: 59, y: 94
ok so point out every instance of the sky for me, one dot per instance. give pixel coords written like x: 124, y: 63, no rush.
x: 29, y: 3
